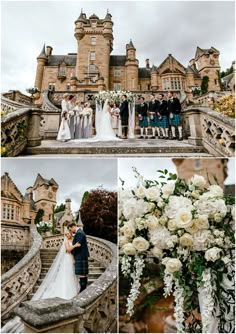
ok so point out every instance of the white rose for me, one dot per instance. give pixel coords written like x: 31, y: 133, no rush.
x: 217, y: 233
x: 152, y: 222
x: 173, y: 265
x: 186, y: 240
x: 218, y: 217
x: 200, y: 240
x: 163, y: 220
x: 157, y: 252
x: 201, y: 222
x: 192, y: 229
x: 174, y: 238
x: 123, y: 240
x: 215, y: 191
x: 172, y: 226
x: 129, y: 249
x: 219, y: 242
x: 213, y: 254
x: 198, y: 181
x: 195, y: 194
x: 176, y: 203
x: 184, y: 218
x: 151, y: 207
x: 158, y: 237
x: 209, y: 206
x: 140, y: 244
x: 160, y: 203
x: 165, y: 260
x: 168, y: 189
x: 140, y: 192
x: 169, y: 243
x: 153, y: 193
x: 128, y: 229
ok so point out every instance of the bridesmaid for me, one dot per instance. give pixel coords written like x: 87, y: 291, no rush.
x: 64, y: 103
x: 71, y: 107
x: 87, y: 121
x: 78, y: 120
x: 64, y: 131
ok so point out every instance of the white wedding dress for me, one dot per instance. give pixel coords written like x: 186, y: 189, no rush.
x: 103, y: 125
x: 60, y: 281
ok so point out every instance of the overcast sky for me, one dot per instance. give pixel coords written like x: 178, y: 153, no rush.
x: 148, y: 167
x: 74, y: 176
x: 156, y: 28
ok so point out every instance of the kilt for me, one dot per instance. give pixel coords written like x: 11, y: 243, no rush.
x: 163, y: 122
x: 144, y: 122
x: 81, y: 266
x: 153, y: 122
x: 124, y: 120
x: 176, y: 121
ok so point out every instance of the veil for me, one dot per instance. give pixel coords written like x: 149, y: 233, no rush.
x: 55, y: 284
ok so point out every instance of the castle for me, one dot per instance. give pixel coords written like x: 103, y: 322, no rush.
x: 18, y: 208
x: 93, y: 68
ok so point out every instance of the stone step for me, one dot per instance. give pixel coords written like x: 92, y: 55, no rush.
x: 157, y: 147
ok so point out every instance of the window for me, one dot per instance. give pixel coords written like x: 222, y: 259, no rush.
x: 51, y: 86
x: 94, y: 24
x: 67, y: 86
x: 216, y: 82
x: 166, y: 83
x: 116, y: 73
x: 92, y: 55
x: 93, y: 40
x: 62, y: 71
x: 8, y: 212
x: 4, y: 211
x: 148, y: 86
x: 92, y: 67
x: 117, y: 86
x: 175, y: 83
x: 132, y: 83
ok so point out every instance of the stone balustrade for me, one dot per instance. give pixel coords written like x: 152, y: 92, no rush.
x: 20, y: 280
x: 17, y: 96
x: 19, y: 128
x: 212, y: 130
x: 93, y: 310
x: 203, y: 100
x: 15, y: 237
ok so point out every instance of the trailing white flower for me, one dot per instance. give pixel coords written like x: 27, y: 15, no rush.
x: 126, y: 265
x: 168, y: 283
x: 179, y: 306
x: 208, y: 300
x: 139, y: 265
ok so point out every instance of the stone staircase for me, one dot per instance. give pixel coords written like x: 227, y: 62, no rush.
x: 129, y: 147
x: 47, y: 258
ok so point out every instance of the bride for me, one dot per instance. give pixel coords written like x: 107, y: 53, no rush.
x: 60, y: 281
x: 103, y: 125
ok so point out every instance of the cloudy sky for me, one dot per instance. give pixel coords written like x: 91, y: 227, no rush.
x: 156, y: 28
x: 148, y: 167
x: 74, y: 176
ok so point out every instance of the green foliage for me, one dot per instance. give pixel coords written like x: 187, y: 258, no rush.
x: 204, y: 85
x: 226, y: 72
x: 39, y: 216
x: 60, y: 208
x: 220, y: 82
x: 85, y: 196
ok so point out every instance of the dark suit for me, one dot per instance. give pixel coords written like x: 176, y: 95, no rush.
x: 174, y: 106
x: 162, y: 108
x: 81, y: 253
x: 124, y: 113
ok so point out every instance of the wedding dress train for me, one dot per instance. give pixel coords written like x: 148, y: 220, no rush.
x: 60, y: 281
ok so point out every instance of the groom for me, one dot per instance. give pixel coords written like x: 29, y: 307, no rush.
x: 80, y: 254
x: 124, y: 115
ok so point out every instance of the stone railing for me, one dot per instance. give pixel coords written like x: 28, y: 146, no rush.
x: 17, y: 96
x: 20, y: 280
x: 19, y: 129
x: 203, y: 100
x: 15, y: 237
x: 212, y: 130
x: 93, y: 310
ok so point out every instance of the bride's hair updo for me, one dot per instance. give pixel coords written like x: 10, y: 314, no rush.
x: 66, y: 233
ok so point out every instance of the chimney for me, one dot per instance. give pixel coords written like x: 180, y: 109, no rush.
x: 68, y: 208
x: 147, y: 64
x: 49, y: 50
x: 29, y: 191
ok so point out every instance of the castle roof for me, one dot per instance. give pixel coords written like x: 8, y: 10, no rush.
x: 94, y: 16
x: 117, y: 60
x: 200, y: 51
x: 143, y: 73
x: 40, y: 180
x: 172, y: 69
x: 55, y: 60
x: 130, y: 45
x: 42, y: 53
x: 6, y: 181
x: 108, y: 17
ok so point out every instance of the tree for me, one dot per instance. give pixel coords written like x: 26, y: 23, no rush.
x: 226, y: 72
x: 204, y: 85
x: 85, y: 196
x: 60, y: 208
x: 220, y: 82
x: 39, y: 216
x: 99, y: 214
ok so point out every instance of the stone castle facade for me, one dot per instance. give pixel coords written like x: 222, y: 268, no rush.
x: 19, y: 208
x: 93, y: 68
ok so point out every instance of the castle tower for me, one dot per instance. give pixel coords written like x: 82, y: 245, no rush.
x: 41, y: 60
x: 154, y: 83
x: 131, y: 67
x: 95, y: 42
x: 45, y: 192
x: 207, y: 63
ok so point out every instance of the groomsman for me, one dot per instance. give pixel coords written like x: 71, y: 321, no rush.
x: 124, y: 116
x: 143, y: 117
x: 174, y: 109
x: 152, y: 108
x: 162, y: 116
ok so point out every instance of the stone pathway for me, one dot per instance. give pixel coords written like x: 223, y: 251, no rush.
x: 124, y: 148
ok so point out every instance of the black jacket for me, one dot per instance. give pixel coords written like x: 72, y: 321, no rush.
x: 142, y: 109
x: 81, y: 252
x: 174, y: 106
x: 162, y: 108
x: 153, y: 106
x: 124, y: 109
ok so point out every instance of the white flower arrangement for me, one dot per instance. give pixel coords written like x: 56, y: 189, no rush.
x: 113, y: 96
x: 191, y: 236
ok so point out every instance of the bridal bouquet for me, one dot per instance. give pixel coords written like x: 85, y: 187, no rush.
x: 188, y: 228
x: 113, y: 96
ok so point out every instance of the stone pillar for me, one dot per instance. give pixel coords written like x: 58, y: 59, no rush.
x: 39, y: 76
x: 54, y: 315
x: 33, y: 132
x: 195, y: 127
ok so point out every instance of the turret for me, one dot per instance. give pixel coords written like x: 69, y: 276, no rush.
x: 154, y: 84
x: 41, y: 60
x: 131, y: 66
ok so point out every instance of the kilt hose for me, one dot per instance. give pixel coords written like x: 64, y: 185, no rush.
x: 163, y: 122
x: 176, y: 120
x: 144, y: 122
x: 81, y: 266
